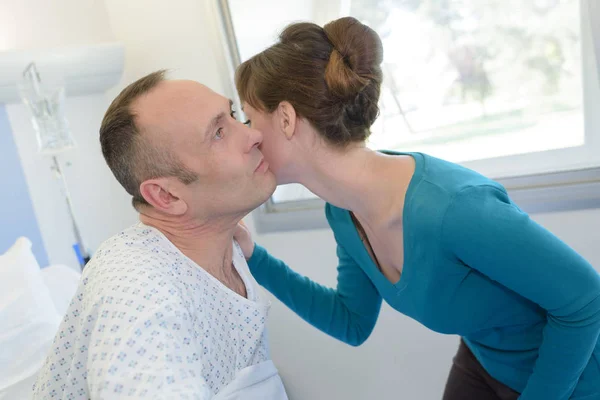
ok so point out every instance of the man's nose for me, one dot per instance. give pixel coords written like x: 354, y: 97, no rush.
x: 255, y: 138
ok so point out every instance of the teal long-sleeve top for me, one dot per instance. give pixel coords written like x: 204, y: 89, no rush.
x: 525, y: 303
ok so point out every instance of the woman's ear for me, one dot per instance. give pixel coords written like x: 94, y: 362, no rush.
x: 287, y: 119
x: 160, y: 194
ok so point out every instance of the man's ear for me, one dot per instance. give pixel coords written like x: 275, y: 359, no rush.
x: 161, y: 193
x: 287, y: 119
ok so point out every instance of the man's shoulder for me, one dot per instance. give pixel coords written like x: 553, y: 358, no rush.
x: 136, y: 245
x: 137, y: 237
x: 136, y: 261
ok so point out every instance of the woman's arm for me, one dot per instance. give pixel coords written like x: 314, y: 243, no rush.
x: 347, y: 313
x: 487, y: 232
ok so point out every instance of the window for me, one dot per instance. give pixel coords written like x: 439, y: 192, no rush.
x: 506, y: 87
x: 477, y: 80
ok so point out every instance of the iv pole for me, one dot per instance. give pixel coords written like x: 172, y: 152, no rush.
x: 43, y: 112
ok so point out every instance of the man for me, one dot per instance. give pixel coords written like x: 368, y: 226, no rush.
x: 167, y: 308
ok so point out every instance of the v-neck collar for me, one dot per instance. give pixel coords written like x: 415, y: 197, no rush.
x: 354, y: 245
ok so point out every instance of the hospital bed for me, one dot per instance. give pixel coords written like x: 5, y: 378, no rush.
x: 33, y: 301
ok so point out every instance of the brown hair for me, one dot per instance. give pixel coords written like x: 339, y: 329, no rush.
x: 131, y: 157
x: 331, y: 75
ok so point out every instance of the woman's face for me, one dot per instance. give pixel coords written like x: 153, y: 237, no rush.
x: 274, y: 145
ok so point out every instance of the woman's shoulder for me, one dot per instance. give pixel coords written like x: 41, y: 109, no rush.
x: 452, y: 178
x: 336, y: 217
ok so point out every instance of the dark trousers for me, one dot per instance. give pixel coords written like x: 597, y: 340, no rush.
x: 469, y: 381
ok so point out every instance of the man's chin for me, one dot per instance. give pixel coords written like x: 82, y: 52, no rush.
x: 262, y: 193
x: 268, y: 192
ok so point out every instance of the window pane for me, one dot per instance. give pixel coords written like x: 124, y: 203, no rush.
x: 292, y: 192
x: 464, y: 79
x: 475, y: 79
x: 257, y: 23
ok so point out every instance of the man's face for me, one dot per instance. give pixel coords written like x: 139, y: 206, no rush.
x: 198, y: 127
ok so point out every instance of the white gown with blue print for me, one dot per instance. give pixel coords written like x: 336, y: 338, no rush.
x: 147, y: 322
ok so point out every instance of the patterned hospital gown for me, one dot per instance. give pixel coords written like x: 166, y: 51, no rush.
x: 147, y: 322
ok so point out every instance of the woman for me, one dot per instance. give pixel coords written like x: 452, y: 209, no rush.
x: 440, y: 243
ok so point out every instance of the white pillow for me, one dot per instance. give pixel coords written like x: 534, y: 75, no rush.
x: 28, y: 318
x: 62, y: 282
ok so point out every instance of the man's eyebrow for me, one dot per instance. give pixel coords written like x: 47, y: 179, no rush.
x: 216, y: 120
x: 213, y: 123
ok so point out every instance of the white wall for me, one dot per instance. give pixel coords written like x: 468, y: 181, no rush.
x: 43, y: 24
x: 402, y: 359
x: 180, y: 35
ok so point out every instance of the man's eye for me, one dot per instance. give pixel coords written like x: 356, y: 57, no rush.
x: 232, y: 114
x: 219, y: 134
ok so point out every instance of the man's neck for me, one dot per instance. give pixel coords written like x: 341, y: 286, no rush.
x: 208, y: 243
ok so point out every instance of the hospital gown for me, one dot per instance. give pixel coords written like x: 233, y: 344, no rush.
x: 147, y: 322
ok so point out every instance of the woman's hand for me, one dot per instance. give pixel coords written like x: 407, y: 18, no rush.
x: 244, y: 238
